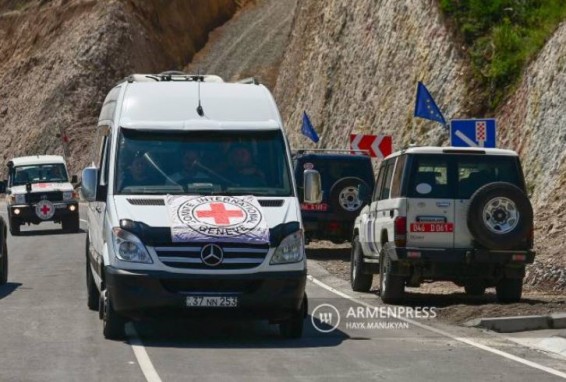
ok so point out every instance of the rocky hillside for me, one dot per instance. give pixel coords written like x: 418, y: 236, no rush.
x: 59, y: 58
x: 355, y: 71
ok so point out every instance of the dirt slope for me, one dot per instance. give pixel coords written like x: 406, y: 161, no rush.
x: 251, y: 44
x: 59, y: 58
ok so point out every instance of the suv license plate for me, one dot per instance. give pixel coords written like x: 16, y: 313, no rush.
x: 314, y: 207
x: 432, y: 227
x: 212, y: 301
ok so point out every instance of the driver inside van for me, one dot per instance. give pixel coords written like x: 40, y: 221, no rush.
x: 140, y: 173
x: 190, y: 171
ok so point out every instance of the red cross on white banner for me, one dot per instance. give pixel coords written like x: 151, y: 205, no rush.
x: 220, y: 214
x: 378, y: 146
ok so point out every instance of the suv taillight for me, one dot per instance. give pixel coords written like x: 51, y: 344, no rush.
x: 400, y: 231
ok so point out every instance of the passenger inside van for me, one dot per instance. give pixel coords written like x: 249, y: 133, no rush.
x: 241, y: 168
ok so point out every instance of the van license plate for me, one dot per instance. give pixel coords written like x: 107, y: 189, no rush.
x: 212, y: 301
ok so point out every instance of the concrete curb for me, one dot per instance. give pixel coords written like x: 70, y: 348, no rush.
x: 520, y: 323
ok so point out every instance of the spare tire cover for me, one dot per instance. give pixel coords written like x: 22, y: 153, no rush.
x: 500, y: 216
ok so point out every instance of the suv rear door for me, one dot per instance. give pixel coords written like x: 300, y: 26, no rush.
x: 430, y: 202
x: 473, y: 172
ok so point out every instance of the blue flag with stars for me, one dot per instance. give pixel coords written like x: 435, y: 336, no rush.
x: 307, y: 128
x: 425, y: 107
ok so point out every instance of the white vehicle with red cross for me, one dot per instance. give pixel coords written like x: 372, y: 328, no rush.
x: 39, y: 189
x: 193, y: 208
x: 445, y: 214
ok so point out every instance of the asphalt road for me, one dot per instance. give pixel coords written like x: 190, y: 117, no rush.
x: 48, y: 334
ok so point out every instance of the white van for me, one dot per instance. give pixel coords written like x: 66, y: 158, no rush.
x: 192, y: 205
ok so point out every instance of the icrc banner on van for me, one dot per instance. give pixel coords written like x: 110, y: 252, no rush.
x: 217, y: 218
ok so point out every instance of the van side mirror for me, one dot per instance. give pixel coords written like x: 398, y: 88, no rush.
x: 2, y: 187
x: 89, y: 184
x: 74, y: 179
x: 313, y: 187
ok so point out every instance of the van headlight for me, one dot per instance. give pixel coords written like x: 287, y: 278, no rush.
x: 128, y: 247
x: 290, y: 250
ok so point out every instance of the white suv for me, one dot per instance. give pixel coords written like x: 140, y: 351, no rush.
x: 39, y: 189
x: 445, y: 214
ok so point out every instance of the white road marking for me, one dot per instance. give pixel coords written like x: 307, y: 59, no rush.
x: 446, y: 334
x: 142, y: 357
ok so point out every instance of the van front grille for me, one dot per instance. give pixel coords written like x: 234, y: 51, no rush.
x: 235, y: 256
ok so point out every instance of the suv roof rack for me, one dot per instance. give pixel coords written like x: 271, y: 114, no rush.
x: 349, y: 151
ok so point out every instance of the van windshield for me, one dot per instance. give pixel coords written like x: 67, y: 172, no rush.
x: 203, y: 163
x: 42, y: 173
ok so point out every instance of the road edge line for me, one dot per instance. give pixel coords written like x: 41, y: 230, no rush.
x: 144, y: 362
x: 446, y: 334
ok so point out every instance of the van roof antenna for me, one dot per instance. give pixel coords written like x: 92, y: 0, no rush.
x: 200, y: 110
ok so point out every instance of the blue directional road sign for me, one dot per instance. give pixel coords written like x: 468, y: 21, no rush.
x: 473, y: 132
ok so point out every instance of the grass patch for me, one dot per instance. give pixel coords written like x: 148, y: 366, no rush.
x: 502, y: 37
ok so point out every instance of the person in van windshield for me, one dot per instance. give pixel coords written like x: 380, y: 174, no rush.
x: 140, y: 173
x: 190, y: 171
x: 241, y: 168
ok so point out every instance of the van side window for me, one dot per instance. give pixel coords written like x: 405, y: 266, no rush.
x: 102, y: 160
x: 397, y: 175
x: 387, y: 183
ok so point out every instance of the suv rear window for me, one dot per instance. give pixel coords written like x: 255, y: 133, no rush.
x: 441, y: 176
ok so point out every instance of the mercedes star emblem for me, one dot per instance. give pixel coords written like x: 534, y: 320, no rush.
x: 211, y: 255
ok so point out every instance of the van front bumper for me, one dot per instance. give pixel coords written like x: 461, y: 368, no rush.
x: 270, y: 295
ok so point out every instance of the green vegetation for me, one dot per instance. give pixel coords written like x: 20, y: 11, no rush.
x: 503, y: 36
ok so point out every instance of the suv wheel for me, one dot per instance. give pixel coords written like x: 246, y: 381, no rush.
x: 14, y: 228
x: 71, y: 224
x: 509, y: 290
x: 344, y: 196
x: 4, y: 264
x: 392, y: 288
x: 359, y: 279
x: 500, y: 216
